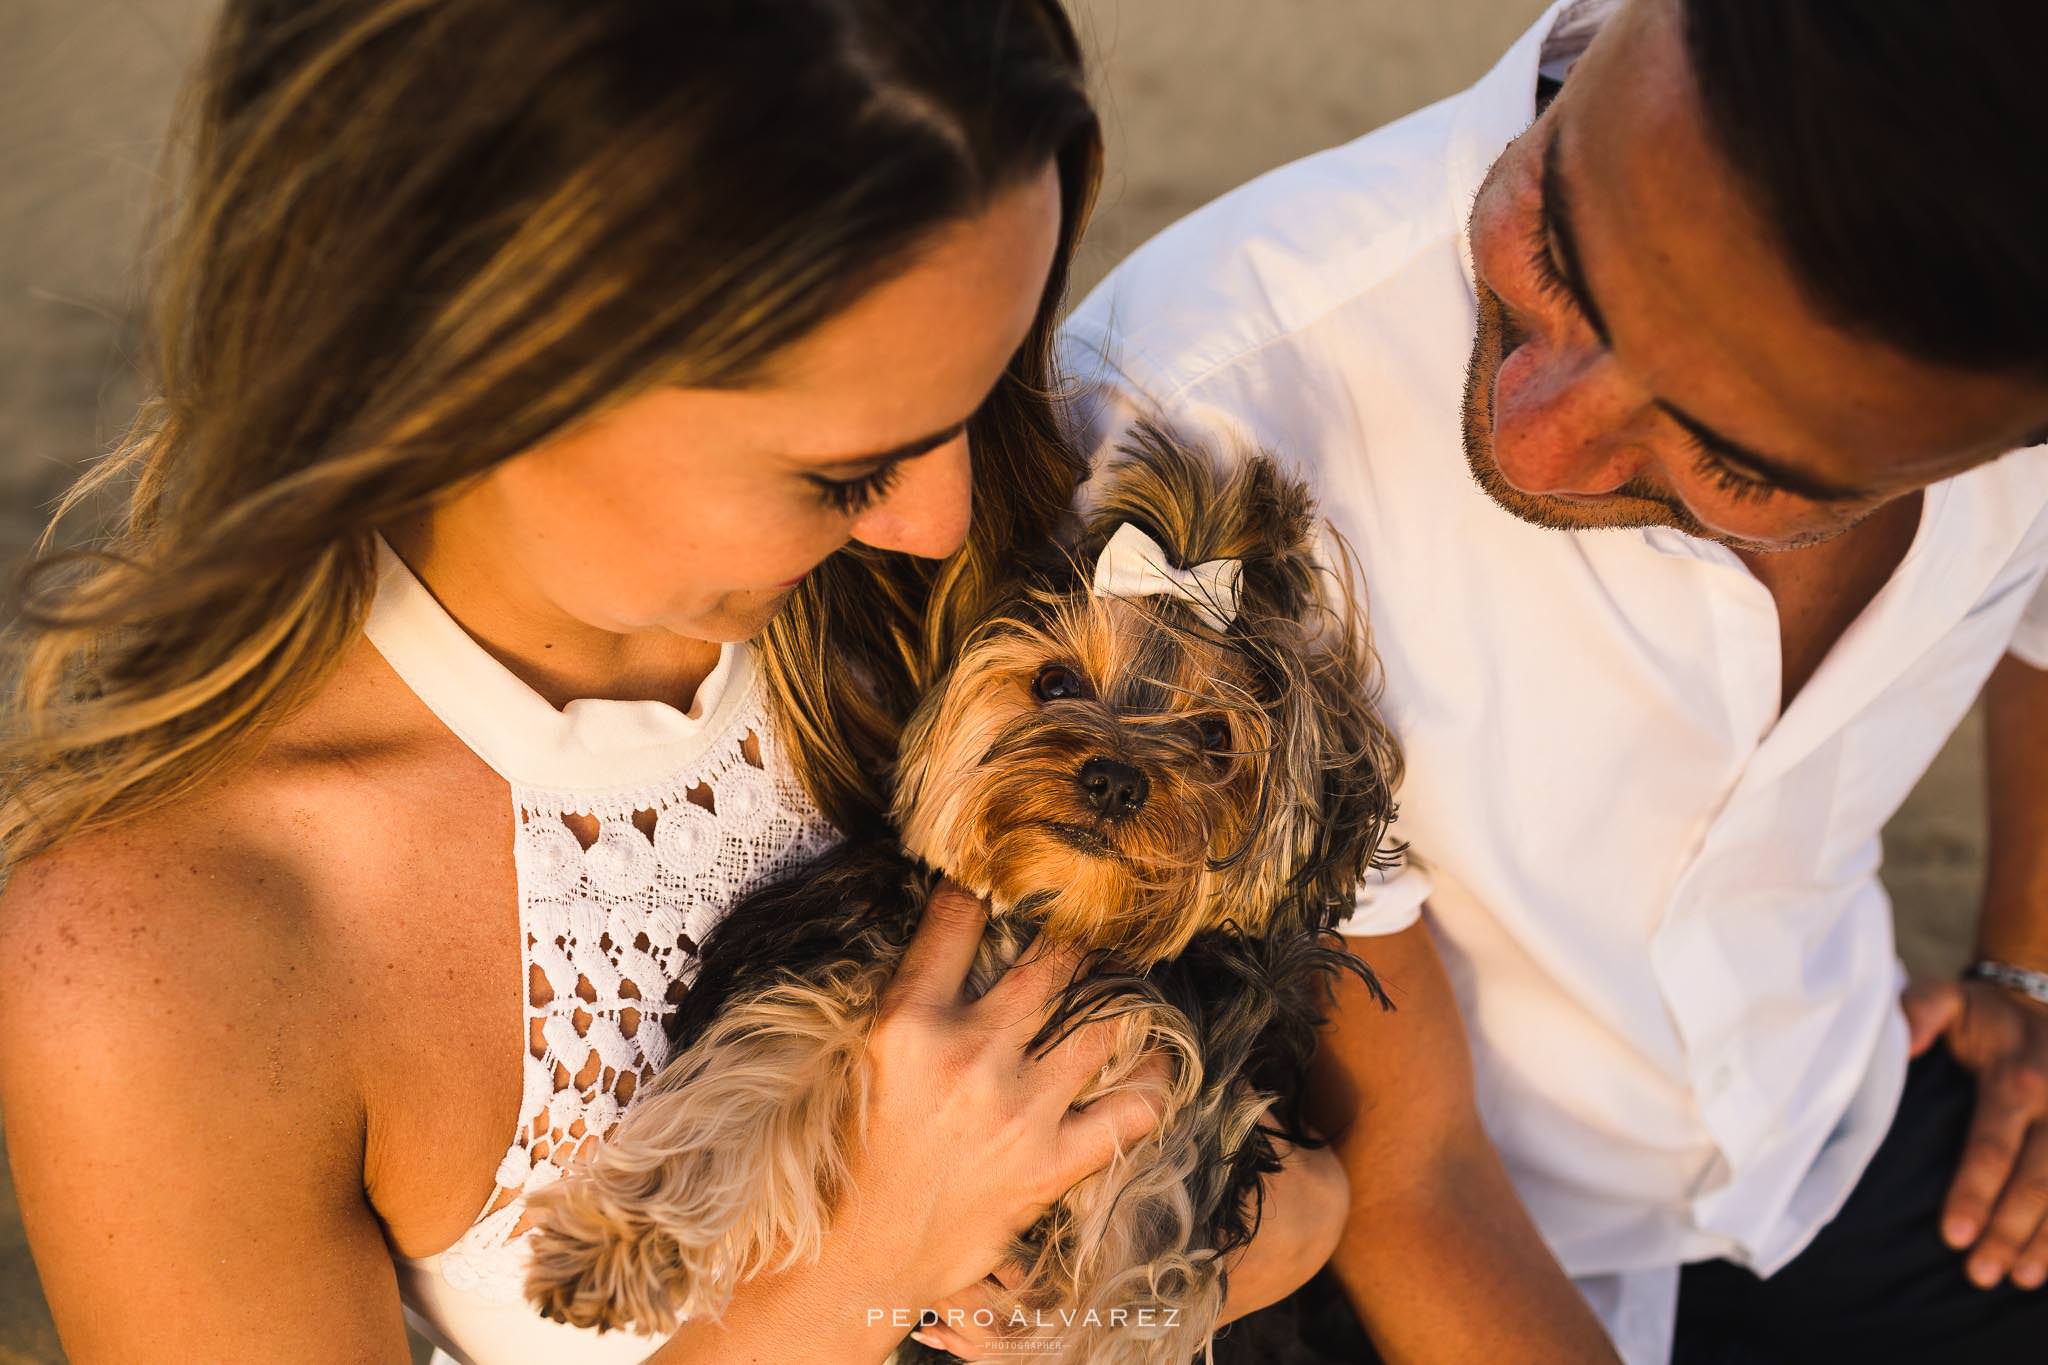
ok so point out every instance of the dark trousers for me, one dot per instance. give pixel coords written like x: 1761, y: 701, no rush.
x: 1877, y: 1286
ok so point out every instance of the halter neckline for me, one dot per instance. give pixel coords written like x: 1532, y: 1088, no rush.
x: 590, y: 744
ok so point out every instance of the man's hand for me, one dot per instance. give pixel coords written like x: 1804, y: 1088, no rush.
x: 1302, y: 1218
x: 1997, y: 1209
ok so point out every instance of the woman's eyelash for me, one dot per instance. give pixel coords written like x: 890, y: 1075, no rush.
x: 850, y: 497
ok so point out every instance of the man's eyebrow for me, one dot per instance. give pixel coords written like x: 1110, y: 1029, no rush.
x: 1557, y: 229
x: 909, y: 450
x: 1557, y: 221
x: 1761, y: 467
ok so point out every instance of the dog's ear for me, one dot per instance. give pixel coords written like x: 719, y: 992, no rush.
x: 1342, y: 761
x: 1271, y: 527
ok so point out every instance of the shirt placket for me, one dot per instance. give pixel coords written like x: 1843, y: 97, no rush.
x: 1719, y: 915
x: 1702, y: 985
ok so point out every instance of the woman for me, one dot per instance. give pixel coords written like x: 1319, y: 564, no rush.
x: 520, y: 364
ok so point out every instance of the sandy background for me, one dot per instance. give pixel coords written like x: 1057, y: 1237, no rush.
x: 1199, y: 95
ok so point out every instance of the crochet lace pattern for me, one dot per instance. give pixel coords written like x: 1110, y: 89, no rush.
x: 610, y: 926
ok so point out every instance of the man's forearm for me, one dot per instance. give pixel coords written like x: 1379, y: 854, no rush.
x: 1438, y: 1256
x: 2014, y: 927
x: 1448, y: 1267
x: 1993, y: 1213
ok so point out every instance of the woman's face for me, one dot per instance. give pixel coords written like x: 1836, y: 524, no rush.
x: 696, y: 511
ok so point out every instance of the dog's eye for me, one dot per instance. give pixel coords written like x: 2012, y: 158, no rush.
x: 1057, y: 682
x: 1215, y: 733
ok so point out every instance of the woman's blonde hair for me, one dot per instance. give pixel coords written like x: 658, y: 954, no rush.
x: 418, y: 237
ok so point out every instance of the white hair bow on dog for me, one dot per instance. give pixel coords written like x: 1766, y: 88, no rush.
x: 1133, y: 565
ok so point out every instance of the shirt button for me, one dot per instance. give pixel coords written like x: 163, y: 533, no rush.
x: 1719, y: 1079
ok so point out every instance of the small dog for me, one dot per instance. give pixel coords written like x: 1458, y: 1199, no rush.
x: 1162, y: 750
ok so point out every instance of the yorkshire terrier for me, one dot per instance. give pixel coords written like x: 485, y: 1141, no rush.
x: 1161, y: 749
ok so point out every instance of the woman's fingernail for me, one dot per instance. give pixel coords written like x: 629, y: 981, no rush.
x: 1959, y: 1231
x: 1984, y: 1272
x: 2031, y: 1275
x: 924, y: 1340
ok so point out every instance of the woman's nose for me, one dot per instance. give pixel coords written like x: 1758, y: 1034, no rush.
x: 926, y: 513
x: 1565, y: 420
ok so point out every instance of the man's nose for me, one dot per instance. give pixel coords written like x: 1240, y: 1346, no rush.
x: 1566, y: 421
x: 927, y: 512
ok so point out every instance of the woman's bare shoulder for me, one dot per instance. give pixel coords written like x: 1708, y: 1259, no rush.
x: 192, y: 954
x: 182, y: 1052
x: 239, y: 890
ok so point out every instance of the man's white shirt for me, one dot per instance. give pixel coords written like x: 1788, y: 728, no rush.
x: 1657, y: 897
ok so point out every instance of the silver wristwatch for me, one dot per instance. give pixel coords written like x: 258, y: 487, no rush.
x: 2030, y: 983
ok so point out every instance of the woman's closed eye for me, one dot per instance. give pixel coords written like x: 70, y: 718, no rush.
x: 851, y: 497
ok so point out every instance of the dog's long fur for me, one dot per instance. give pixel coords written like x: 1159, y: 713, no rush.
x: 1206, y: 912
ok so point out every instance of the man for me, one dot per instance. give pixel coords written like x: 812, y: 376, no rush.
x: 1682, y: 439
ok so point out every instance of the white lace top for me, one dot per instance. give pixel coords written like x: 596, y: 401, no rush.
x: 637, y: 824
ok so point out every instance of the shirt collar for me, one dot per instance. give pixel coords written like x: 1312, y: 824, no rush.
x: 1494, y: 112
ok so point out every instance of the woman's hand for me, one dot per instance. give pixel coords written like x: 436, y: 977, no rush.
x: 968, y: 1141
x: 1305, y: 1204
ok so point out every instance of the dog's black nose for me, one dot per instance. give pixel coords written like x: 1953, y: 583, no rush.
x: 1116, y: 790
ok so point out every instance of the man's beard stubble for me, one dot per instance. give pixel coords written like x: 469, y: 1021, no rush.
x: 1632, y: 506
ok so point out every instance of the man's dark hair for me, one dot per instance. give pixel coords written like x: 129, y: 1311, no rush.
x: 1900, y: 147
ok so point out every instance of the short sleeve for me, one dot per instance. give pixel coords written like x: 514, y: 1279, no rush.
x: 1389, y: 901
x: 2030, y: 640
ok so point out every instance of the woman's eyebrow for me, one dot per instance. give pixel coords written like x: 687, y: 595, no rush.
x: 909, y: 450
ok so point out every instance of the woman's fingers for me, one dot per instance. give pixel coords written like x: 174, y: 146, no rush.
x: 947, y: 1069
x: 959, y: 1323
x: 971, y: 1324
x: 1016, y: 1003
x: 1091, y: 1137
x: 1080, y: 1056
x: 934, y: 967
